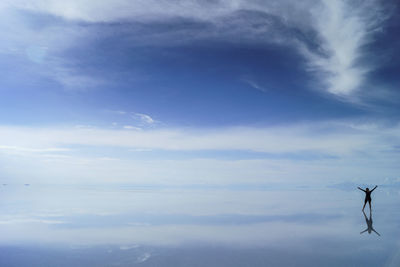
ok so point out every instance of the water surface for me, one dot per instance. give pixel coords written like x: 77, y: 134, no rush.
x: 129, y: 225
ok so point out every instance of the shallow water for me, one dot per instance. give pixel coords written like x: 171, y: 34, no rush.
x: 127, y: 225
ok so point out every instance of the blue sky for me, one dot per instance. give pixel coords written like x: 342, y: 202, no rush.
x: 199, y: 91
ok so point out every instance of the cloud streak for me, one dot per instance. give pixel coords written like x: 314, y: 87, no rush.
x: 335, y: 136
x: 144, y: 118
x: 356, y: 150
x: 343, y: 29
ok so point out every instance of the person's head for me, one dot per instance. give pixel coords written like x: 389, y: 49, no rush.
x: 367, y: 189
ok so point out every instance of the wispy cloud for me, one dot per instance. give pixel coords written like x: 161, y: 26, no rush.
x: 117, y: 112
x: 109, y: 11
x: 335, y: 137
x: 134, y: 120
x: 343, y: 28
x: 357, y: 149
x: 70, y: 80
x: 254, y: 84
x: 337, y: 31
x: 144, y: 118
x: 29, y: 221
x: 130, y: 127
x: 18, y: 149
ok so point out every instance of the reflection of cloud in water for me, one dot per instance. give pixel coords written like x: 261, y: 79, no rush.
x: 184, y: 227
x: 128, y: 247
x: 144, y: 257
x: 124, y: 220
x: 29, y: 221
x: 276, y: 232
x: 88, y: 216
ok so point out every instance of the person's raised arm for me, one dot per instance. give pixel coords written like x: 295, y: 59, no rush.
x: 361, y: 189
x: 374, y: 188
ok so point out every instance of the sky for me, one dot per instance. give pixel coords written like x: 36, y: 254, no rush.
x: 199, y: 92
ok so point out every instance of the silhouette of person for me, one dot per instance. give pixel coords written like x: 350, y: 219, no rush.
x: 369, y: 224
x: 367, y: 196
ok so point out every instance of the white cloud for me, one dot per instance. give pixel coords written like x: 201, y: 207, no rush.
x: 358, y: 150
x: 331, y: 137
x: 117, y: 112
x: 71, y: 80
x: 140, y: 120
x: 144, y: 118
x: 25, y: 150
x: 141, y: 150
x: 14, y: 221
x: 108, y: 11
x: 254, y: 84
x: 344, y: 27
x: 130, y: 127
x: 34, y: 53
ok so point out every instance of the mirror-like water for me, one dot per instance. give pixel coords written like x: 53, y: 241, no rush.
x: 42, y: 225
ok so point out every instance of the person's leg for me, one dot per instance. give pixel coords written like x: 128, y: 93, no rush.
x: 365, y: 203
x: 369, y: 202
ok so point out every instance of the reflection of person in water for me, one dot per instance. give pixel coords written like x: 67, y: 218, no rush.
x: 369, y: 224
x: 367, y: 196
